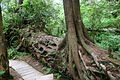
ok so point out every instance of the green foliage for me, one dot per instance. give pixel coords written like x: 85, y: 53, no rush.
x: 38, y: 13
x: 103, y: 15
x: 57, y: 25
x: 41, y: 15
x: 2, y: 72
x: 100, y: 14
x: 48, y: 17
x: 47, y: 69
x: 108, y: 40
x: 57, y: 75
x: 13, y: 53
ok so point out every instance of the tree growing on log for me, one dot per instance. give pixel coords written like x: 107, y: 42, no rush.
x: 91, y: 62
x: 4, y: 65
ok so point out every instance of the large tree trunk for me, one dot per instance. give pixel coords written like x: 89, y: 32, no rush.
x: 3, y: 53
x: 91, y: 62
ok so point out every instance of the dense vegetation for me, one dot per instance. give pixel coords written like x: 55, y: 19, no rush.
x: 101, y: 18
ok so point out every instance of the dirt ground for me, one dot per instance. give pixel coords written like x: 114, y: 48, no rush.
x: 15, y: 75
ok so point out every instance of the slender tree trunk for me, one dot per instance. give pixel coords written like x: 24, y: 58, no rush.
x: 20, y: 2
x: 81, y: 50
x: 4, y: 65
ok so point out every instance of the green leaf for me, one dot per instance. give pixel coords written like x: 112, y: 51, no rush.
x: 2, y: 72
x: 57, y: 75
x: 0, y: 1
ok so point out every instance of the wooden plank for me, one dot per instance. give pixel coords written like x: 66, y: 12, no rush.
x: 46, y: 77
x: 28, y: 72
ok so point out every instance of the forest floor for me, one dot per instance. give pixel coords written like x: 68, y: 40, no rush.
x: 15, y: 75
x: 32, y: 62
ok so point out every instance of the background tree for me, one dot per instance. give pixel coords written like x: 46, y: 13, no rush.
x: 4, y: 65
x: 81, y: 51
x: 20, y: 2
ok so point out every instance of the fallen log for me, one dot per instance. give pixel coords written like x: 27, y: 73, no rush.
x: 105, y: 30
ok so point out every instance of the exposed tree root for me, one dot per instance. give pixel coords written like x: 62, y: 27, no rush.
x: 101, y: 64
x: 92, y: 55
x: 46, y: 54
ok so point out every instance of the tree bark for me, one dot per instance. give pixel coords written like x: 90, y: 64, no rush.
x: 4, y: 65
x: 81, y: 50
x: 20, y: 2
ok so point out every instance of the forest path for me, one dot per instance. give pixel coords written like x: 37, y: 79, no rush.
x: 27, y: 72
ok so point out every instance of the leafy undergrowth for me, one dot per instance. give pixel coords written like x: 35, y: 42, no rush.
x: 3, y: 72
x: 49, y: 70
x: 107, y: 40
x: 14, y: 54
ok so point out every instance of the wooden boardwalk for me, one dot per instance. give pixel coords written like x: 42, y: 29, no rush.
x: 27, y: 72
